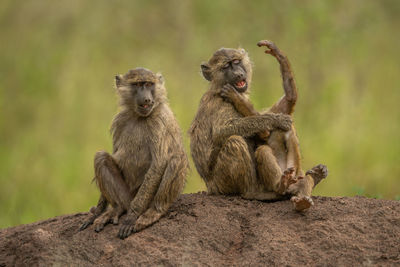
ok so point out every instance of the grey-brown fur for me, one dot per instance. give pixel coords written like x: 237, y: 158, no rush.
x: 283, y: 146
x: 147, y: 169
x: 221, y: 133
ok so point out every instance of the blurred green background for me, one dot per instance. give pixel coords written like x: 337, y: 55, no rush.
x: 58, y: 60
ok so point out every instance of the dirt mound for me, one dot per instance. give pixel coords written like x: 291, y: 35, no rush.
x: 215, y: 230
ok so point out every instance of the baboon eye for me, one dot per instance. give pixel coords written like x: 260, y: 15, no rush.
x: 236, y: 61
x: 148, y: 84
x: 225, y: 66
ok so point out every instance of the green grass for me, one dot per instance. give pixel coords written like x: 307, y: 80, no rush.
x: 58, y: 60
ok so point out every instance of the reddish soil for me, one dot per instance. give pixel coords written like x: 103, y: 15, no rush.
x: 217, y: 231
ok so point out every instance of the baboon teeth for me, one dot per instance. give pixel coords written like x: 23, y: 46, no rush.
x: 241, y: 84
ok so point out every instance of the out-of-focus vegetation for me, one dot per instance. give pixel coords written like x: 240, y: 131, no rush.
x: 58, y: 60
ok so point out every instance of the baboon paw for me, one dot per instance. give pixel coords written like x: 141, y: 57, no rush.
x: 302, y: 203
x: 85, y: 225
x: 128, y: 226
x: 142, y: 222
x: 125, y: 231
x: 283, y: 122
x: 287, y: 179
x: 224, y: 94
x: 318, y: 173
x: 227, y: 92
x: 100, y: 223
x: 273, y: 49
x: 266, y: 43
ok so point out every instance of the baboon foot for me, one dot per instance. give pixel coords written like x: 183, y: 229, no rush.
x: 147, y: 219
x: 302, y: 203
x: 88, y: 222
x: 287, y: 179
x: 128, y: 226
x: 117, y: 213
x: 318, y: 173
x: 102, y: 221
x: 111, y: 216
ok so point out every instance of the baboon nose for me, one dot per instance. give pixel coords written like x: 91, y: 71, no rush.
x: 147, y: 101
x: 240, y: 75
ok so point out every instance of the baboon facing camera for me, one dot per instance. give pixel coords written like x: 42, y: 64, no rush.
x: 147, y: 169
x: 227, y: 136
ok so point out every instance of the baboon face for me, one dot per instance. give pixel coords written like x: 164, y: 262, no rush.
x: 138, y: 88
x: 143, y: 93
x: 229, y: 66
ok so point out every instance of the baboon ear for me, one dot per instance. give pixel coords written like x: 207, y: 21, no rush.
x: 118, y: 80
x: 206, y: 70
x: 160, y: 78
x: 242, y: 51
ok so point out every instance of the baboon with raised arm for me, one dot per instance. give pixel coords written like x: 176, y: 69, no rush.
x: 222, y: 139
x: 284, y: 145
x: 147, y: 169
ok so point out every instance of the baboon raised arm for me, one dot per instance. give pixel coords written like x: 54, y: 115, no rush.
x: 285, y: 146
x: 147, y: 169
x: 288, y: 101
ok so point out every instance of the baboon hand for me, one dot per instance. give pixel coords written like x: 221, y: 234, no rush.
x: 128, y: 225
x: 228, y: 92
x: 273, y: 49
x: 282, y: 121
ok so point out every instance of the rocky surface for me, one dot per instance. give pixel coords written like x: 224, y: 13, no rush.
x: 218, y: 231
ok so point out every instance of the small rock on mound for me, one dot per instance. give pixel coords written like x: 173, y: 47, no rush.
x: 218, y: 231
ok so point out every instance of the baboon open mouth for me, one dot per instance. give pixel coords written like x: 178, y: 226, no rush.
x: 241, y: 86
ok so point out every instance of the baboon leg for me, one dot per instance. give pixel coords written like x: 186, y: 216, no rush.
x: 170, y: 187
x: 110, y: 216
x: 302, y: 189
x: 110, y: 181
x: 234, y: 171
x: 95, y: 212
x: 293, y: 152
x: 269, y: 172
x: 268, y: 168
x: 302, y: 193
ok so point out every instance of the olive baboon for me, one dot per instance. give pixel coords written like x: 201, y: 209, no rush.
x: 147, y: 169
x: 222, y: 143
x: 284, y: 146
